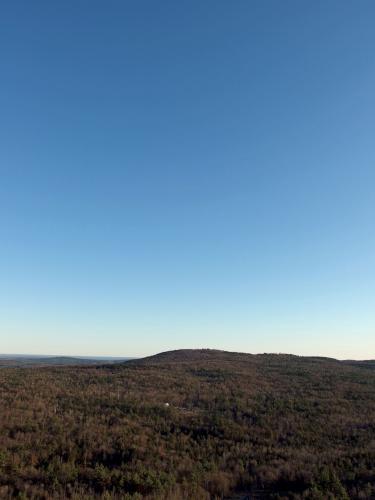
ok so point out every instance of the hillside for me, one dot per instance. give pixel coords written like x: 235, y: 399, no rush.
x: 214, y: 355
x: 192, y: 356
x: 190, y: 424
x: 244, y: 360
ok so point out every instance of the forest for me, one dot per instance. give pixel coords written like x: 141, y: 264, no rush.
x: 190, y: 424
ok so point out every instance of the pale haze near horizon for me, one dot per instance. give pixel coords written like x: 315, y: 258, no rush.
x: 186, y: 176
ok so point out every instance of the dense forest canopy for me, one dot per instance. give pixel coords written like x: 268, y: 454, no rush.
x: 190, y: 425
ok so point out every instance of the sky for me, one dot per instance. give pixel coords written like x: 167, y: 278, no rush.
x: 186, y: 175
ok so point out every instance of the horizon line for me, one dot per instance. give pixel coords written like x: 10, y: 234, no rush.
x: 98, y: 357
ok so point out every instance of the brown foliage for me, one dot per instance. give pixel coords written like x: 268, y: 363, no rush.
x: 272, y: 426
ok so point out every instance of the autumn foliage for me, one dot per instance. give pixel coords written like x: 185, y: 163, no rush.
x: 267, y: 426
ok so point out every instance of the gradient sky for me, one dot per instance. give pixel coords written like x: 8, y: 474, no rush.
x: 187, y: 174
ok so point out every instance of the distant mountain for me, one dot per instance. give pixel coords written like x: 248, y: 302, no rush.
x: 30, y: 360
x: 369, y: 363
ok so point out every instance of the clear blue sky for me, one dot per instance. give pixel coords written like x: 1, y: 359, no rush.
x: 187, y: 174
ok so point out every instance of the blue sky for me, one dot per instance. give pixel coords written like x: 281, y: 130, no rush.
x: 195, y: 174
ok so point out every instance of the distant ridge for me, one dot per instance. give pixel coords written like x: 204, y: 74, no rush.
x: 38, y: 361
x: 182, y: 356
x: 178, y: 357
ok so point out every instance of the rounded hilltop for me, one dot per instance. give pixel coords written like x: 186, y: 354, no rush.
x: 193, y: 355
x: 188, y: 356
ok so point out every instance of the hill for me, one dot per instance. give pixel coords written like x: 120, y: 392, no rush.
x: 238, y: 359
x: 190, y: 424
x: 193, y: 355
x: 214, y: 355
